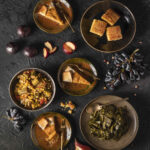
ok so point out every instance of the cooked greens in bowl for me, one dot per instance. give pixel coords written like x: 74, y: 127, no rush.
x: 110, y: 122
x: 122, y: 112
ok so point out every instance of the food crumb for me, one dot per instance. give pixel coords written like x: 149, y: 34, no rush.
x: 140, y: 42
x: 136, y: 86
x: 68, y: 105
x: 107, y: 62
x: 69, y: 111
x: 134, y: 94
x: 113, y: 58
x: 62, y: 104
x: 104, y: 88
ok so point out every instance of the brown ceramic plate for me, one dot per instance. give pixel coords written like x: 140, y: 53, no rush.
x: 77, y: 89
x: 37, y: 133
x: 48, y: 25
x: 110, y: 144
x: 13, y: 83
x: 127, y: 23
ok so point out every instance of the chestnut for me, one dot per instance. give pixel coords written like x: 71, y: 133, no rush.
x: 30, y: 51
x: 23, y: 31
x: 11, y: 48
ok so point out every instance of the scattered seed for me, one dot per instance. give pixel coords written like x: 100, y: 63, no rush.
x: 68, y: 105
x: 136, y: 86
x: 107, y: 62
x: 140, y: 42
x: 69, y: 111
x: 113, y: 58
x: 48, y: 45
x: 104, y: 88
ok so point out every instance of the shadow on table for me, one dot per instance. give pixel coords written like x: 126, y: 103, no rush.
x: 142, y: 106
x: 140, y: 10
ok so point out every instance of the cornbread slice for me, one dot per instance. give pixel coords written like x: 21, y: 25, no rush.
x: 69, y: 69
x: 51, y: 13
x: 50, y: 130
x: 110, y: 16
x: 113, y: 33
x: 42, y: 11
x: 77, y: 78
x: 51, y: 120
x: 98, y: 27
x: 67, y: 76
x: 42, y: 123
x: 53, y: 140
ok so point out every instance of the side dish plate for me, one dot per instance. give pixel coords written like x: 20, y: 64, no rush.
x: 77, y: 90
x: 110, y: 144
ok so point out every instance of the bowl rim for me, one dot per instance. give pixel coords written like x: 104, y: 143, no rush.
x: 59, y: 71
x: 44, y: 29
x: 41, y: 71
x: 118, y: 3
x: 46, y: 113
x: 136, y: 116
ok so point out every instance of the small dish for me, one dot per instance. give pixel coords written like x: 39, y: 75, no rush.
x: 13, y: 83
x: 50, y: 26
x: 125, y: 140
x: 126, y: 21
x: 74, y: 89
x: 35, y: 131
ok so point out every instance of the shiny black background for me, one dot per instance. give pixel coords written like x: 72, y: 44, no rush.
x: 17, y: 12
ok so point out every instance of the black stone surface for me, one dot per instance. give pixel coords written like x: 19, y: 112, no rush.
x: 17, y: 12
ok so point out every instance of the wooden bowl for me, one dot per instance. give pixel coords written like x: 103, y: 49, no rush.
x: 13, y: 83
x: 50, y: 26
x: 125, y: 140
x: 127, y: 23
x: 77, y: 90
x: 36, y: 139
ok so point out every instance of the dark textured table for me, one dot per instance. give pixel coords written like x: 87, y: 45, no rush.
x: 17, y: 12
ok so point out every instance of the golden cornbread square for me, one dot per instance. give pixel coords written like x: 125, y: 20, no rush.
x: 110, y: 16
x: 98, y: 27
x: 114, y: 33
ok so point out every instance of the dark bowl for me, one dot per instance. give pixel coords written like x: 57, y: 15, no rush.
x: 13, y: 83
x: 125, y: 140
x: 127, y: 23
x: 43, y: 24
x: 56, y: 114
x: 77, y: 61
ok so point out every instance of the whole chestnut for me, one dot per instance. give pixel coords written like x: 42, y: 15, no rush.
x: 30, y: 51
x: 11, y: 48
x: 23, y: 31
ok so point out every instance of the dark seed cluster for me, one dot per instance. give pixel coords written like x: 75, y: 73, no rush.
x: 17, y: 118
x: 124, y: 69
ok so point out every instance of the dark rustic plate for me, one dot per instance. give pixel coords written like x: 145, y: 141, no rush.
x: 73, y: 89
x: 126, y: 21
x: 13, y: 83
x: 34, y: 126
x: 110, y: 144
x: 47, y: 25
